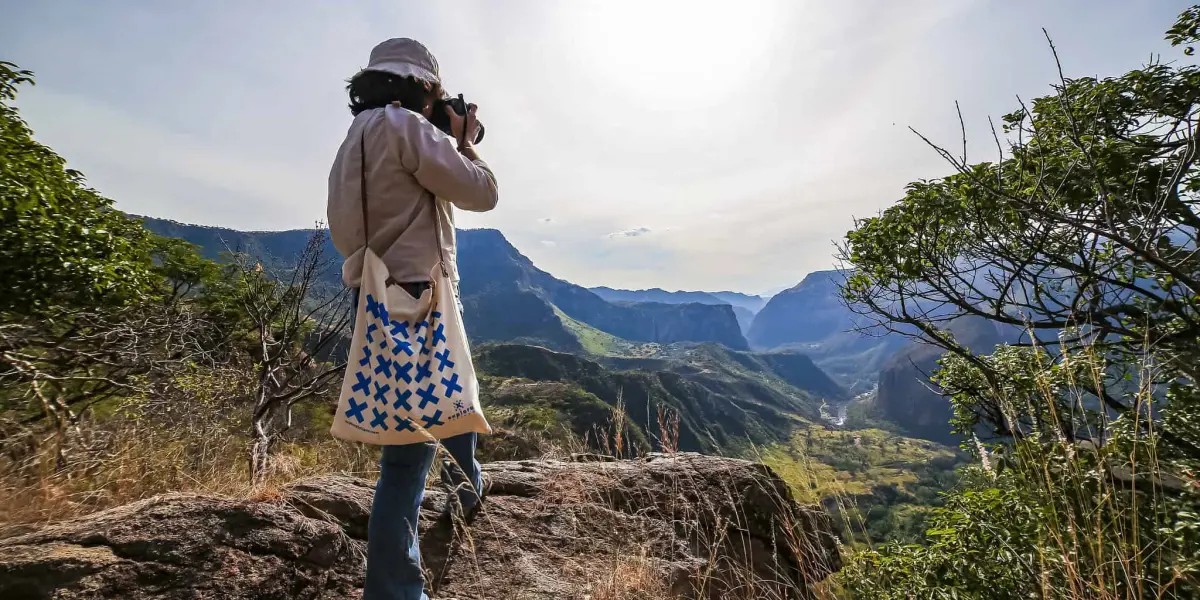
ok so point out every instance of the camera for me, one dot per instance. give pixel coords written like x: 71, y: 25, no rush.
x: 442, y: 120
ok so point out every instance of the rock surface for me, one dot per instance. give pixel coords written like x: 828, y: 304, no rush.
x: 682, y: 525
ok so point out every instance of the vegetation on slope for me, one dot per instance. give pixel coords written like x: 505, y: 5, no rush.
x: 719, y: 412
x: 1087, y: 226
x: 821, y: 463
x: 879, y: 486
x: 599, y: 343
x: 557, y: 413
x: 60, y: 241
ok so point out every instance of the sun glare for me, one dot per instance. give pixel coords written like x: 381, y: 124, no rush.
x: 674, y: 50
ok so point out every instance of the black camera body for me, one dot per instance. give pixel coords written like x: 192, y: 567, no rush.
x: 442, y: 120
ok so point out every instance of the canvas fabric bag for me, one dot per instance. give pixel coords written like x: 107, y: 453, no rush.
x: 409, y: 376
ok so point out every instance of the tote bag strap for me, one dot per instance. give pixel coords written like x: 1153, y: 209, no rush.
x: 437, y: 236
x: 363, y: 188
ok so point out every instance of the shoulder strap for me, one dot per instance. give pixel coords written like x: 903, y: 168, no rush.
x: 363, y: 187
x: 437, y: 236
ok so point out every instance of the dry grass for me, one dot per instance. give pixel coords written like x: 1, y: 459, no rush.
x: 141, y: 449
x: 1079, y: 531
x: 630, y: 577
x: 129, y: 463
x: 190, y: 436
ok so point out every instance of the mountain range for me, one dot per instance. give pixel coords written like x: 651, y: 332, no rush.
x: 804, y: 342
x: 505, y: 297
x: 491, y: 267
x: 745, y: 306
x: 811, y: 318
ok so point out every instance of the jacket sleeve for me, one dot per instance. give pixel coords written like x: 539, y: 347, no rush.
x: 434, y: 160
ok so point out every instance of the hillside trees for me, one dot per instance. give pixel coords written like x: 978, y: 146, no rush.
x: 60, y: 242
x: 1084, y: 233
x: 95, y: 310
x: 79, y: 320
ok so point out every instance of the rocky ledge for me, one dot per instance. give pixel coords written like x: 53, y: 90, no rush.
x: 683, y: 525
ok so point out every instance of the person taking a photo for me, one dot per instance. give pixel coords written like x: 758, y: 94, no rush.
x: 404, y: 174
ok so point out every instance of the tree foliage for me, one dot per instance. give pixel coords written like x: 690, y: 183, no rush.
x: 1084, y: 234
x: 1045, y: 521
x: 95, y: 309
x: 60, y: 241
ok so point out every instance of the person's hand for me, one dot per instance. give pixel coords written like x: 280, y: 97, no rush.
x: 469, y: 121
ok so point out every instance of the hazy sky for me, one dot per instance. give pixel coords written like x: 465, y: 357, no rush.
x: 677, y: 144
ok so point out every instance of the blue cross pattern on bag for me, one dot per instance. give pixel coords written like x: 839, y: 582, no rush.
x: 397, y: 355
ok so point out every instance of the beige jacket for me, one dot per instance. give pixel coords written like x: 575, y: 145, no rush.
x: 415, y: 174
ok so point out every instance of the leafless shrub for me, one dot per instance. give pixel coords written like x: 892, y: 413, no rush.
x: 297, y: 319
x: 57, y: 365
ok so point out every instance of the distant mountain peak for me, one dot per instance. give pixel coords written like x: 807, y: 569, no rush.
x: 811, y: 317
x: 819, y: 278
x: 505, y: 296
x: 658, y: 295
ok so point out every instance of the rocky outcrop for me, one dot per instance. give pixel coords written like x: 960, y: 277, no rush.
x: 681, y: 525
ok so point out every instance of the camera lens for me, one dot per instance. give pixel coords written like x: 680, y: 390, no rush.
x: 442, y: 121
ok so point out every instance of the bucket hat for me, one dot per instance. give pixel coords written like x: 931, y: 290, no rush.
x: 404, y: 57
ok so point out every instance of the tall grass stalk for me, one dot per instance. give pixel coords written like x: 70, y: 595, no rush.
x: 1093, y: 515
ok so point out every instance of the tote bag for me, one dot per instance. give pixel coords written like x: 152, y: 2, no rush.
x: 409, y: 376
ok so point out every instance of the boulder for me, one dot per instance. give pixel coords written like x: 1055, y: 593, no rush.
x: 683, y: 525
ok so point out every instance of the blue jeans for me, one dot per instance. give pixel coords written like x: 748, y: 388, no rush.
x: 393, y: 554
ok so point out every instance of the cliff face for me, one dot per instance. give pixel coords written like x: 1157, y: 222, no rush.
x: 806, y: 313
x: 666, y: 323
x: 744, y: 305
x: 689, y: 525
x: 810, y: 318
x: 907, y: 398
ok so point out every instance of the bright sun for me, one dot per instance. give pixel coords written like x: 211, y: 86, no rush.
x: 675, y: 50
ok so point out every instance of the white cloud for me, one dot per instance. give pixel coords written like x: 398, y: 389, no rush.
x: 548, y: 243
x: 628, y: 233
x: 756, y: 167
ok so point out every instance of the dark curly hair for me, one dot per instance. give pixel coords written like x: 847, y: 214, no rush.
x: 376, y: 89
